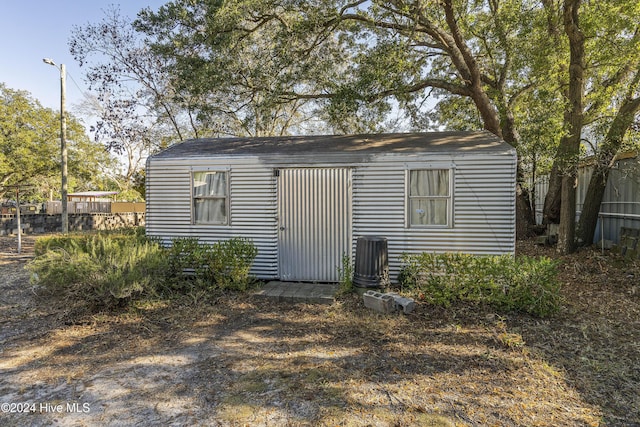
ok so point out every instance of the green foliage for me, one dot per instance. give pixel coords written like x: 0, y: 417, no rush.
x: 243, y: 63
x: 114, y: 268
x: 130, y: 195
x: 104, y: 270
x: 138, y: 107
x: 81, y: 241
x: 506, y: 283
x: 222, y: 265
x: 345, y: 275
x: 138, y: 185
x: 30, y: 147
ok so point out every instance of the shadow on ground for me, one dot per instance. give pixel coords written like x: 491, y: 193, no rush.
x: 242, y: 360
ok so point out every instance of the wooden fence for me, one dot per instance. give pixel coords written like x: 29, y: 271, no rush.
x: 54, y: 208
x: 122, y: 207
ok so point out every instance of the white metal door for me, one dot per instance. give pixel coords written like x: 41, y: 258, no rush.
x: 314, y: 210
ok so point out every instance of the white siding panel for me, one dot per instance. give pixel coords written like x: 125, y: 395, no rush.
x: 483, y: 204
x: 252, y: 206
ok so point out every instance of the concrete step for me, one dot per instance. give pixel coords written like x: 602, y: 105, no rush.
x: 299, y: 292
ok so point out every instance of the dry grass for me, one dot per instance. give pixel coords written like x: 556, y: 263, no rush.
x: 240, y: 360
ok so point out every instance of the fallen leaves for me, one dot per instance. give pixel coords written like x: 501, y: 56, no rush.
x: 255, y: 362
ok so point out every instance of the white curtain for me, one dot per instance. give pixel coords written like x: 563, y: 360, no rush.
x: 429, y: 197
x: 210, y: 197
x: 425, y: 183
x: 429, y: 211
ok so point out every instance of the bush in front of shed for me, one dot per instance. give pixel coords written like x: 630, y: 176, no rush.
x: 220, y: 265
x: 345, y: 275
x: 108, y: 269
x: 101, y: 269
x: 506, y: 283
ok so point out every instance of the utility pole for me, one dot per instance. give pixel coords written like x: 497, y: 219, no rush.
x: 63, y: 148
x: 63, y: 143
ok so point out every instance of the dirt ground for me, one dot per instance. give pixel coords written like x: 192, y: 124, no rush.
x: 240, y: 360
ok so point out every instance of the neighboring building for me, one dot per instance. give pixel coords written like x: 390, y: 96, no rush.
x: 94, y: 202
x: 620, y: 202
x: 304, y: 200
x: 84, y: 202
x: 92, y: 196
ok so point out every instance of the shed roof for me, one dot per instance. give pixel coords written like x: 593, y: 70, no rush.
x: 400, y: 143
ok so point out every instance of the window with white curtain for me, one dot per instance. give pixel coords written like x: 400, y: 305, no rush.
x: 210, y: 197
x: 429, y: 198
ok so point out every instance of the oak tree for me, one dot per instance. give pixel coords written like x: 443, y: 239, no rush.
x: 30, y: 147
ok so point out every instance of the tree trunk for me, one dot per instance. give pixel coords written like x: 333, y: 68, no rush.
x: 524, y: 214
x: 592, y: 201
x: 525, y: 217
x: 567, y: 229
x: 502, y: 125
x: 533, y: 193
x: 552, y: 201
x: 604, y: 160
x: 570, y: 143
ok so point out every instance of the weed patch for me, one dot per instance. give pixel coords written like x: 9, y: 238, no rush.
x: 506, y: 283
x: 221, y: 265
x: 104, y: 270
x: 112, y: 269
x: 345, y: 275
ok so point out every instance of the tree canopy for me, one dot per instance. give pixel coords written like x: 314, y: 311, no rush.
x: 545, y: 75
x: 30, y: 147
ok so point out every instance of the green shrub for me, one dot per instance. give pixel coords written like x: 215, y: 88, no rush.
x: 109, y: 268
x: 504, y: 282
x: 103, y: 269
x: 79, y: 240
x: 185, y: 258
x: 345, y: 275
x: 221, y: 265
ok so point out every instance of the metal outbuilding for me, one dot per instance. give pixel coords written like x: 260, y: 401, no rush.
x: 304, y: 200
x: 620, y: 207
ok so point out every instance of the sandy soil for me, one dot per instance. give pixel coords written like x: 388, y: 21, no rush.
x: 239, y: 360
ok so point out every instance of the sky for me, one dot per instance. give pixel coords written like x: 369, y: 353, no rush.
x: 31, y: 30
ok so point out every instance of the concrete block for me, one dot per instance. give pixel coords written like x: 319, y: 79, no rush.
x: 382, y: 303
x: 404, y: 304
x: 604, y: 244
x: 542, y: 240
x: 388, y: 302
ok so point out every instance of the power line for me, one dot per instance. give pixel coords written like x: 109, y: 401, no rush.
x: 86, y: 96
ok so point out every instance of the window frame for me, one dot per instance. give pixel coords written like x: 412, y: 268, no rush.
x: 448, y: 198
x: 226, y: 197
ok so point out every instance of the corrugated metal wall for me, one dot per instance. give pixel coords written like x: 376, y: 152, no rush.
x: 314, y: 211
x: 252, y: 206
x: 620, y: 203
x: 483, y: 203
x: 541, y: 187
